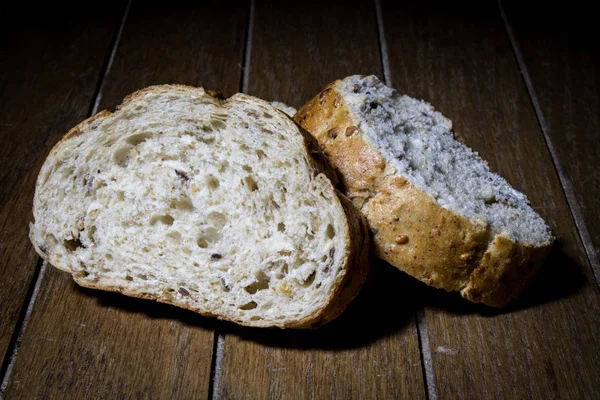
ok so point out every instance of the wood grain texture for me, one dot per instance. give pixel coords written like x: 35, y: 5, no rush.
x: 372, y: 350
x: 91, y: 344
x: 183, y: 42
x: 562, y: 55
x: 49, y: 68
x: 545, y: 345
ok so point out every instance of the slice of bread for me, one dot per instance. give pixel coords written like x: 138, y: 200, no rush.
x: 435, y: 209
x: 219, y: 206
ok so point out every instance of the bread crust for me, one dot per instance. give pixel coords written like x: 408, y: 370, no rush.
x: 355, y: 266
x: 410, y: 229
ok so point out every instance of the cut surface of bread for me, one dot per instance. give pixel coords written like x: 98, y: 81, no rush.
x: 219, y: 206
x: 435, y: 208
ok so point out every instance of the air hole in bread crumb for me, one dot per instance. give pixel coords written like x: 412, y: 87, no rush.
x: 217, y: 219
x: 330, y: 232
x: 251, y: 183
x: 281, y: 227
x: 109, y: 257
x: 72, y: 245
x: 174, y: 236
x: 260, y: 154
x: 212, y: 182
x: 120, y: 195
x: 261, y: 283
x: 163, y: 219
x: 218, y: 124
x: 143, y: 277
x: 249, y: 306
x: 109, y: 141
x: 267, y: 115
x: 90, y: 154
x: 51, y: 240
x: 68, y: 172
x: 122, y: 156
x: 309, y: 281
x: 134, y: 140
x: 283, y: 272
x: 207, y: 139
x: 184, y: 204
x: 211, y: 234
x: 244, y: 147
x: 186, y: 251
x: 202, y: 243
x: 247, y: 168
x: 255, y: 318
x: 91, y: 230
x: 224, y: 165
x: 129, y: 278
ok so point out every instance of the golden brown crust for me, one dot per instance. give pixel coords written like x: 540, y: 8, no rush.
x: 505, y: 271
x: 410, y: 229
x: 355, y: 268
x: 433, y: 244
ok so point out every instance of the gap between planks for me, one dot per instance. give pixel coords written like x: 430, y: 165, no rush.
x: 39, y: 276
x: 109, y: 62
x: 214, y: 391
x: 431, y: 391
x: 567, y: 187
x: 19, y: 331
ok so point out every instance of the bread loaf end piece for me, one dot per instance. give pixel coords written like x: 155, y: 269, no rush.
x: 435, y: 209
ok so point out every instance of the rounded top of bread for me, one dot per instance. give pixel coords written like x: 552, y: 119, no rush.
x: 419, y: 143
x: 218, y: 205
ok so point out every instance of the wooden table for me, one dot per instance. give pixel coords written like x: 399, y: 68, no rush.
x: 523, y: 89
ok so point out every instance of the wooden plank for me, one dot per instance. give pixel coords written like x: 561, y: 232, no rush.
x: 90, y: 344
x: 559, y: 49
x: 545, y: 345
x: 371, y: 351
x: 47, y: 79
x: 296, y: 50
